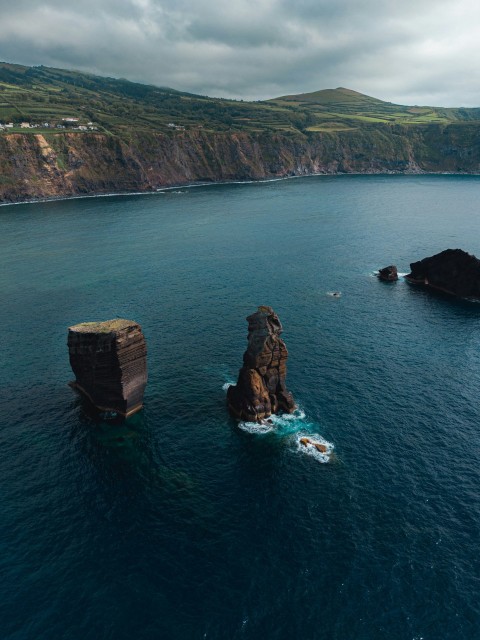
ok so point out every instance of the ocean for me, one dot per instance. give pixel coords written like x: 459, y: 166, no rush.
x: 181, y: 523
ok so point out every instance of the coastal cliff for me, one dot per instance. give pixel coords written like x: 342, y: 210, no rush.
x: 37, y: 166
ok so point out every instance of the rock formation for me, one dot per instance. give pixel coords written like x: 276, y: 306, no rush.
x: 388, y: 274
x: 109, y: 360
x: 260, y: 389
x: 453, y: 271
x: 318, y: 445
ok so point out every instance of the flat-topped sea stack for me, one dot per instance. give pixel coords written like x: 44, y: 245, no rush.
x: 388, y: 274
x: 109, y: 360
x: 452, y: 271
x: 260, y: 389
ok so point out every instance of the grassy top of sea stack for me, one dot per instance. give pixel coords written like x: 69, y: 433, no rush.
x: 108, y: 326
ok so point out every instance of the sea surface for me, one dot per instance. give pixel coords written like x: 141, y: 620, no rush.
x: 181, y: 523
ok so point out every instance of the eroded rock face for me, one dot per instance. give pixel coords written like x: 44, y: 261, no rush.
x: 260, y: 389
x: 453, y: 271
x: 109, y: 360
x: 67, y: 164
x: 388, y: 274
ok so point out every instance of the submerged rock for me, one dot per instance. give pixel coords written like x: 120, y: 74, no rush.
x: 453, y: 271
x: 388, y: 274
x: 260, y: 389
x: 109, y: 360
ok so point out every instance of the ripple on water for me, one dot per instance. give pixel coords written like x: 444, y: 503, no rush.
x: 181, y: 517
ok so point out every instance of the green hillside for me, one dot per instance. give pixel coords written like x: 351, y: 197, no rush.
x: 332, y: 96
x: 43, y: 95
x: 344, y: 109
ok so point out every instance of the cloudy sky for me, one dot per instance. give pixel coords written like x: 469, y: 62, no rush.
x: 405, y: 51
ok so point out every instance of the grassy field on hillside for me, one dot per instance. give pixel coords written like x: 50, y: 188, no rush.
x: 41, y: 95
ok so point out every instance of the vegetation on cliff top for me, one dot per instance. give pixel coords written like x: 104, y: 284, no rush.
x: 118, y: 136
x: 42, y: 94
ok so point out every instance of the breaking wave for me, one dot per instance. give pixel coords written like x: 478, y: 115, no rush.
x: 281, y: 424
x: 401, y: 274
x: 259, y: 428
x: 311, y: 450
x: 291, y: 427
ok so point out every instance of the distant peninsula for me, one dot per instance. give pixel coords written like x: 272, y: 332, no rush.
x: 65, y: 133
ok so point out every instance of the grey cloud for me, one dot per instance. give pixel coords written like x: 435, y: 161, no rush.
x: 400, y: 51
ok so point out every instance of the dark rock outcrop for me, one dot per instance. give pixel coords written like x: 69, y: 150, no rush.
x: 109, y: 360
x: 453, y: 271
x: 260, y: 389
x: 388, y: 274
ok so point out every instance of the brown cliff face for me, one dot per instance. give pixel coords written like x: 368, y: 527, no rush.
x: 38, y: 167
x: 260, y: 389
x: 109, y: 363
x: 35, y: 166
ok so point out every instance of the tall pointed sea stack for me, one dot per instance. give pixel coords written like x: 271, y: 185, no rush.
x: 260, y: 389
x: 109, y: 360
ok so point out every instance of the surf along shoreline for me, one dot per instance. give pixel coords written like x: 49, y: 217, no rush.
x: 194, y: 185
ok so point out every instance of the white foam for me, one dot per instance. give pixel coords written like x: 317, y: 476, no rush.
x: 259, y: 428
x: 163, y: 190
x: 334, y: 294
x: 375, y: 274
x: 281, y: 424
x: 291, y: 426
x: 196, y: 185
x: 282, y: 418
x: 93, y: 195
x: 227, y: 385
x: 285, y: 424
x: 310, y: 450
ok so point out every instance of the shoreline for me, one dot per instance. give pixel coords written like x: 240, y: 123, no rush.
x: 193, y: 185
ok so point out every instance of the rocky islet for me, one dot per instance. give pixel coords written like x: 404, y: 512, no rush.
x: 452, y: 271
x: 388, y: 274
x: 261, y: 389
x: 109, y: 360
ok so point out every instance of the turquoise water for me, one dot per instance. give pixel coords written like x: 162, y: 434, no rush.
x: 180, y: 523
